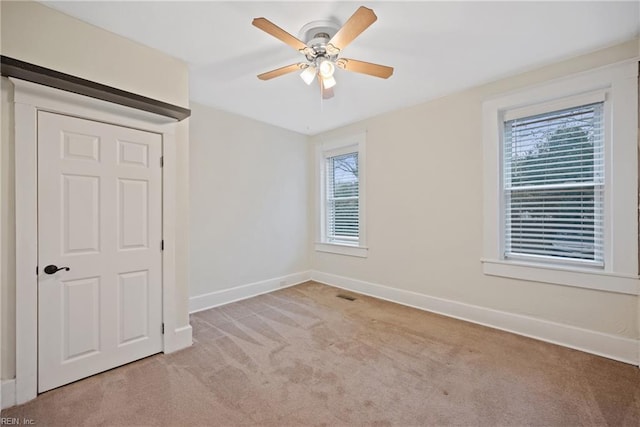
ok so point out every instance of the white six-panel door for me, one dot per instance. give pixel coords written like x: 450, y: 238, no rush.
x: 99, y: 214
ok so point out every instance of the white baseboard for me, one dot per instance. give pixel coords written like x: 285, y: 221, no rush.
x: 180, y: 338
x: 606, y: 345
x: 8, y: 393
x: 214, y: 299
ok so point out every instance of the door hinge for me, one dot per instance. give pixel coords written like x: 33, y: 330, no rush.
x: 161, y: 161
x: 36, y: 270
x: 163, y: 328
x: 162, y: 245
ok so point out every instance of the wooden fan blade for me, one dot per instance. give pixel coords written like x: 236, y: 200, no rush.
x: 280, y: 71
x: 277, y: 32
x: 356, y: 66
x: 359, y: 21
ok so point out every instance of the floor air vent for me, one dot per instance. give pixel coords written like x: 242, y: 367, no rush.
x: 347, y: 297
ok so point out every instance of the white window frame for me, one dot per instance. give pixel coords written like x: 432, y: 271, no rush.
x: 324, y: 150
x: 618, y: 85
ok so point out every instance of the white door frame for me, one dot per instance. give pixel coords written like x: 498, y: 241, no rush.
x: 29, y: 98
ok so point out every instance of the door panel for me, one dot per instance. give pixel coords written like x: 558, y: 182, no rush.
x: 81, y: 204
x: 131, y: 153
x: 133, y: 291
x: 81, y: 310
x: 80, y: 147
x: 133, y: 214
x: 99, y: 213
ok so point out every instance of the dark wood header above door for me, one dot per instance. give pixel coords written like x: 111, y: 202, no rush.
x: 11, y: 67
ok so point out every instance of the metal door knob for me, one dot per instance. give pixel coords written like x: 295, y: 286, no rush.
x: 53, y: 269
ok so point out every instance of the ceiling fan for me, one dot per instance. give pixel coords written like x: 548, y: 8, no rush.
x: 324, y: 42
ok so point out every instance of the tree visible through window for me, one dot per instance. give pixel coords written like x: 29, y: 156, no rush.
x: 553, y: 185
x: 342, y: 190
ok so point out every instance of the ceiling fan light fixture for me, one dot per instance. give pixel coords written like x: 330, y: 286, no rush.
x: 308, y: 74
x: 326, y: 68
x: 328, y: 82
x: 321, y: 43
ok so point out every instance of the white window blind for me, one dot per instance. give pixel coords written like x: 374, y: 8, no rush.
x: 342, y: 194
x: 553, y: 184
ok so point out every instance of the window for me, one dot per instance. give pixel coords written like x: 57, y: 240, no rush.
x: 553, y: 186
x: 341, y: 205
x: 561, y: 181
x: 341, y: 189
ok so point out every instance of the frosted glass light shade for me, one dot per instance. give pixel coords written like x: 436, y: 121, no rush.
x: 328, y: 82
x: 326, y: 68
x: 308, y: 74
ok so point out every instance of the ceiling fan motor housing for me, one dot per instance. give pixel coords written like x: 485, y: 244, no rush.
x: 316, y: 35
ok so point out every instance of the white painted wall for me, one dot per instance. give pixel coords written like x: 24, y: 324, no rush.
x: 35, y: 33
x: 424, y: 216
x: 249, y: 217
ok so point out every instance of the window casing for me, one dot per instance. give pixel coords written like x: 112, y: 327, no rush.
x: 341, y: 203
x: 595, y: 244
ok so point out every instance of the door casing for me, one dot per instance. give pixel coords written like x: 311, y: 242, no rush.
x: 28, y: 99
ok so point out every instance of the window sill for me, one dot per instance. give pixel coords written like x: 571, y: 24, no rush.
x: 567, y: 276
x: 335, y: 248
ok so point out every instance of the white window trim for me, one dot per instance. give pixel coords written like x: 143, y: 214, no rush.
x: 343, y: 145
x: 618, y: 82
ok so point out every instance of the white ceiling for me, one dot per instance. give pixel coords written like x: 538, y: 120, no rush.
x: 436, y: 48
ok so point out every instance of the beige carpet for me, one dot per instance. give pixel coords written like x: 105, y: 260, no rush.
x: 302, y: 356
